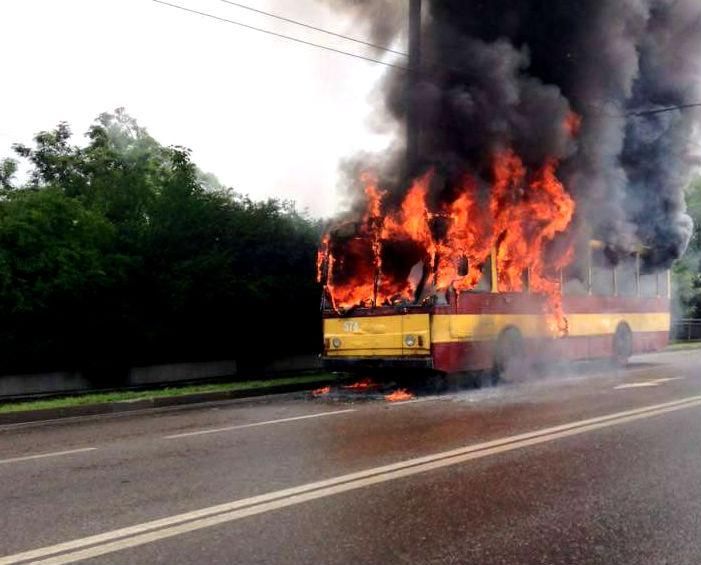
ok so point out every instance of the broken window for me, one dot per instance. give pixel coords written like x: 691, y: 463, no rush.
x: 601, y: 274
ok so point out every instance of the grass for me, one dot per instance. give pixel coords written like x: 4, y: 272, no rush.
x: 133, y: 395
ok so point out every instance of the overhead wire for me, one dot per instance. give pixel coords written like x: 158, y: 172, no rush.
x: 281, y: 35
x: 635, y: 113
x: 662, y: 110
x: 406, y: 68
x: 596, y: 111
x: 315, y: 28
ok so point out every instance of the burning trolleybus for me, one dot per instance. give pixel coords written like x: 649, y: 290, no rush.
x: 437, y: 291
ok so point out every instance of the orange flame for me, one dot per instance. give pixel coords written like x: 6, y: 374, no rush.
x: 321, y: 257
x: 399, y: 395
x: 468, y: 239
x: 528, y: 215
x: 573, y: 123
x: 324, y: 390
x: 362, y: 384
x: 524, y: 212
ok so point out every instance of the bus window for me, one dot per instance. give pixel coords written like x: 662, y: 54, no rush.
x: 663, y: 284
x: 574, y: 282
x: 602, y: 276
x: 648, y: 285
x: 626, y: 275
x: 485, y: 283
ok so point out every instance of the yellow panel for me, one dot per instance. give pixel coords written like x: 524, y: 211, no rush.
x: 599, y: 324
x: 384, y: 335
x: 378, y: 335
x: 481, y: 327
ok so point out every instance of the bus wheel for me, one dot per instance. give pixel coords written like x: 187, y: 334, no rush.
x: 622, y: 345
x: 509, y: 358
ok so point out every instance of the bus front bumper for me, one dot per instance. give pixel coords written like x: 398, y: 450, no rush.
x: 362, y: 363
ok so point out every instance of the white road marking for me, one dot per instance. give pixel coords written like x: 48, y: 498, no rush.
x: 647, y: 384
x: 45, y: 455
x: 108, y: 542
x: 257, y: 424
x: 412, y: 401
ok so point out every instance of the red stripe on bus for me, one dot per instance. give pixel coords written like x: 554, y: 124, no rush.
x: 478, y: 355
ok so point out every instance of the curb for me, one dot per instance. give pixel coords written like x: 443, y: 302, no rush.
x: 106, y: 408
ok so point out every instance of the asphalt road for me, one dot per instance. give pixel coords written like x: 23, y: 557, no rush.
x: 587, y: 466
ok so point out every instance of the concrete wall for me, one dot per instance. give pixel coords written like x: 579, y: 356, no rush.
x: 157, y: 374
x: 298, y: 363
x: 60, y: 382
x: 43, y: 383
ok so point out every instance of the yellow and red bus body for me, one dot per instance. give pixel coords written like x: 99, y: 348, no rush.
x: 462, y: 335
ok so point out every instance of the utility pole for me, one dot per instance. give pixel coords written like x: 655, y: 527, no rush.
x: 413, y: 75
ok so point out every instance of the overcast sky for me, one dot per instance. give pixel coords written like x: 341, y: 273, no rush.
x: 266, y: 116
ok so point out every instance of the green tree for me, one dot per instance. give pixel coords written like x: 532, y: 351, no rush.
x: 8, y: 168
x: 686, y: 273
x: 123, y: 252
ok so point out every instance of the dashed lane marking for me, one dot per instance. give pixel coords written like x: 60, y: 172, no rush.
x: 258, y: 424
x: 647, y: 384
x: 46, y: 455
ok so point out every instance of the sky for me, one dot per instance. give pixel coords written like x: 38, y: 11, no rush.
x: 267, y: 116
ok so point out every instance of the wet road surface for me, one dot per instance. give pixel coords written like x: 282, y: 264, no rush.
x: 593, y: 466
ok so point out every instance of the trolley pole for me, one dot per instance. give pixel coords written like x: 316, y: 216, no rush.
x: 412, y: 125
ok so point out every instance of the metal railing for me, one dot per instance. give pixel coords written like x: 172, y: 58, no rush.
x: 686, y: 329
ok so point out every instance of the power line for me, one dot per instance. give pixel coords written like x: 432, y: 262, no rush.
x: 322, y: 30
x: 639, y: 113
x: 662, y: 110
x: 280, y: 35
x: 310, y: 43
x: 599, y: 112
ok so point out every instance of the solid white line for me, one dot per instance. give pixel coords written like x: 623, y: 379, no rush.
x: 257, y: 424
x: 146, y: 532
x: 45, y: 455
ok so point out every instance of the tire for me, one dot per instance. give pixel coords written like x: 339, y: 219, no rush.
x: 509, y: 357
x: 622, y: 345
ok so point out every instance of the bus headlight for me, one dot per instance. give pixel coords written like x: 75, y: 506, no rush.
x: 410, y: 341
x: 336, y: 342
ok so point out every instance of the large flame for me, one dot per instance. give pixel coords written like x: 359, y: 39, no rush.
x: 446, y: 246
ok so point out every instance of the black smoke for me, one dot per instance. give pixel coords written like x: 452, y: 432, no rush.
x: 500, y: 74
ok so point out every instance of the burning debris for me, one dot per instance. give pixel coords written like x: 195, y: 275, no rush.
x: 399, y: 395
x: 531, y: 140
x: 323, y: 391
x: 364, y: 389
x: 362, y: 385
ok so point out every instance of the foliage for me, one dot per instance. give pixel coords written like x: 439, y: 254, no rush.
x: 686, y: 272
x: 123, y: 252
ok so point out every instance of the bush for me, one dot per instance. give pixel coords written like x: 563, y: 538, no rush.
x: 123, y: 253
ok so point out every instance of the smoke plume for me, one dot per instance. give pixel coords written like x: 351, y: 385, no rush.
x: 502, y: 75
